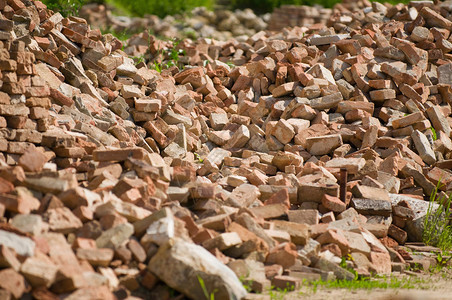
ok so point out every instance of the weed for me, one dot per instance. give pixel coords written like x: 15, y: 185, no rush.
x: 442, y: 262
x: 416, y: 267
x: 278, y: 293
x: 173, y: 55
x: 437, y: 229
x: 157, y: 66
x: 138, y: 59
x: 230, y: 64
x: 157, y: 61
x: 122, y: 35
x: 246, y: 284
x: 208, y: 296
x: 343, y: 264
x: 198, y: 158
x: 435, y: 137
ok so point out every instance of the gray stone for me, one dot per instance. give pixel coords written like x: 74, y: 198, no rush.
x: 372, y: 207
x: 22, y: 245
x: 183, y: 266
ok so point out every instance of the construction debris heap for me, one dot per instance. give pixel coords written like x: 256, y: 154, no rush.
x: 117, y: 179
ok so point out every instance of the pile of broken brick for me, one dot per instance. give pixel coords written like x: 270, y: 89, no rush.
x: 220, y: 24
x: 319, y: 143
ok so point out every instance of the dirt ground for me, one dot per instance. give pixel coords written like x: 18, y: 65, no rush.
x: 431, y: 286
x: 428, y: 286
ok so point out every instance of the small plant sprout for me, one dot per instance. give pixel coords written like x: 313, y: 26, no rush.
x: 208, y: 296
x: 198, y: 157
x: 173, y: 55
x: 230, y: 64
x: 246, y: 283
x: 434, y: 136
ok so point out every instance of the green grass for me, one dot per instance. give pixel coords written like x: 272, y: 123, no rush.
x: 278, y: 293
x: 366, y: 283
x: 437, y: 229
x: 343, y: 265
x: 442, y: 262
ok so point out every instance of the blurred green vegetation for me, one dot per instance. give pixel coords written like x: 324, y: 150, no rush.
x: 66, y: 8
x: 263, y: 6
x: 163, y: 8
x: 160, y: 8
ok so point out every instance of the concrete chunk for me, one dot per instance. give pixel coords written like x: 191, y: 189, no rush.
x: 188, y: 263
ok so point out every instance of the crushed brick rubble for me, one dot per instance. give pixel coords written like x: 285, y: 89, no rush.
x: 318, y: 142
